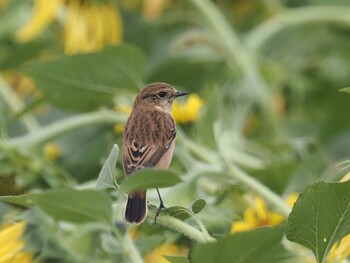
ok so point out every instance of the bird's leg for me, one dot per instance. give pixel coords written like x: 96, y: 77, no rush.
x: 161, y: 206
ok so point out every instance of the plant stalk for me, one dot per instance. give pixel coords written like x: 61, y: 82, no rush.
x: 260, y: 189
x: 238, y: 54
x: 58, y: 128
x: 15, y: 104
x: 182, y: 227
x: 128, y: 246
x: 296, y: 16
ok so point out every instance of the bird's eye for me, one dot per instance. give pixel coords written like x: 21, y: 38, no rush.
x: 161, y: 94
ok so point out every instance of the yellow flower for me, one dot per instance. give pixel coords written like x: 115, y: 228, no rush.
x: 337, y: 254
x: 291, y: 199
x: 87, y: 25
x: 90, y: 26
x: 157, y: 255
x: 152, y: 9
x: 11, y: 245
x: 119, y: 128
x: 339, y: 251
x: 43, y: 14
x: 257, y: 216
x: 189, y: 111
x: 51, y: 151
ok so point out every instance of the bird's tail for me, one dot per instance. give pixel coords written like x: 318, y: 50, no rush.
x: 136, y: 207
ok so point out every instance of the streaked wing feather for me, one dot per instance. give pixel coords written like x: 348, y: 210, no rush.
x: 137, y: 156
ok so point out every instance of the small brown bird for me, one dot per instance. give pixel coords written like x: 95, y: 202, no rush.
x: 148, y: 140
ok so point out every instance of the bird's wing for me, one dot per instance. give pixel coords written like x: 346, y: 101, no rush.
x: 139, y: 155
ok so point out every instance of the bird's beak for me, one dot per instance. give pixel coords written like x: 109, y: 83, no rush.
x: 181, y: 93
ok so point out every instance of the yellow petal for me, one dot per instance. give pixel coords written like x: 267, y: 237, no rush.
x: 112, y: 25
x: 89, y: 26
x: 11, y: 244
x: 240, y: 226
x: 157, y: 255
x: 43, y: 14
x: 22, y: 257
x: 189, y: 111
x: 11, y: 233
x: 291, y: 199
x: 97, y: 25
x: 261, y: 209
x: 250, y: 216
x: 70, y: 25
x: 9, y: 250
x: 194, y: 104
x: 345, y: 253
x: 275, y: 218
x: 341, y: 249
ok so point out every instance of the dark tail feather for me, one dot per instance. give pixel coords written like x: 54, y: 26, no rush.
x: 136, y: 207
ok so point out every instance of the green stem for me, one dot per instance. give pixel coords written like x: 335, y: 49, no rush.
x: 260, y: 189
x: 241, y: 57
x: 203, y: 229
x: 182, y: 227
x: 291, y: 17
x: 60, y: 127
x: 237, y: 53
x: 225, y: 33
x: 16, y: 105
x: 128, y: 246
x: 239, y: 175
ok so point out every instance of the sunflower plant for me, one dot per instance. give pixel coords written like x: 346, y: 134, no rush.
x: 262, y: 140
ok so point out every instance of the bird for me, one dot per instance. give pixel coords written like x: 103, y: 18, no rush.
x: 148, y: 141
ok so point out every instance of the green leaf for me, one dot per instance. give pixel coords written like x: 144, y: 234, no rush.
x: 148, y: 243
x: 82, y: 158
x: 183, y: 213
x: 13, y: 53
x: 106, y: 178
x: 85, y: 82
x: 23, y: 200
x: 198, y: 205
x: 178, y: 212
x: 185, y: 72
x: 148, y: 227
x: 177, y: 259
x: 149, y: 178
x: 76, y: 206
x: 209, y: 116
x: 320, y: 217
x: 239, y: 248
x: 346, y: 90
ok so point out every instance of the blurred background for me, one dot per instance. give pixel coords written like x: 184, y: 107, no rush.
x: 263, y: 76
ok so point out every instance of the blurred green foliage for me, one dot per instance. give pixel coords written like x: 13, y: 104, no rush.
x: 273, y: 123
